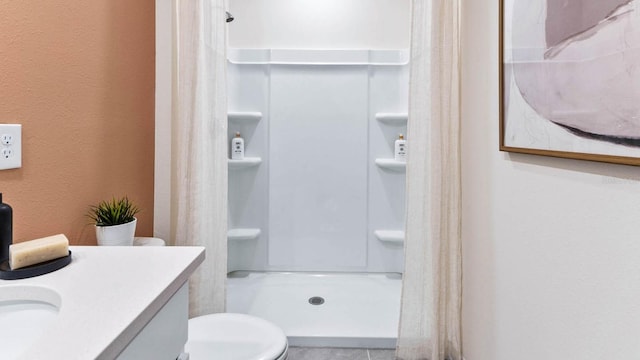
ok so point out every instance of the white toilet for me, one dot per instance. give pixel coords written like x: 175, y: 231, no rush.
x: 229, y: 336
x: 235, y: 337
x: 148, y: 241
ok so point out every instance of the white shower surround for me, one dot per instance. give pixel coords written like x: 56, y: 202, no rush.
x: 317, y: 195
x: 319, y: 201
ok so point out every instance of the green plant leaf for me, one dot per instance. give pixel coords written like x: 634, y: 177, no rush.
x: 113, y: 212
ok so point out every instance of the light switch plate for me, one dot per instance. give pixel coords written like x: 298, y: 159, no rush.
x: 10, y: 146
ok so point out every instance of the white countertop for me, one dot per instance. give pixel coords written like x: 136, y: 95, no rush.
x: 108, y: 294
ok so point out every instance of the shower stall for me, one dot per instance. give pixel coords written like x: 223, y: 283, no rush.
x: 316, y: 207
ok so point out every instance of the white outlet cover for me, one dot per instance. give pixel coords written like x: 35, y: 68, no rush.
x: 6, y: 139
x: 10, y: 146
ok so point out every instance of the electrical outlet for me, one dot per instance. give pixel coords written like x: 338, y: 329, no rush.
x: 6, y: 139
x: 10, y: 146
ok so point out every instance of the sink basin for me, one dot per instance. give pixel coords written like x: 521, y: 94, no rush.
x: 26, y: 312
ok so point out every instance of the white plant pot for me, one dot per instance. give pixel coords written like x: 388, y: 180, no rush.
x: 116, y: 235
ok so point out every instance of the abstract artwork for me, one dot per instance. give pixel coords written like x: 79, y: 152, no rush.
x: 570, y: 78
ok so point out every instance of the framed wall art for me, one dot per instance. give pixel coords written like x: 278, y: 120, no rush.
x: 570, y: 79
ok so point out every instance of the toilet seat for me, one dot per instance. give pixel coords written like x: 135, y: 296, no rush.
x: 235, y: 337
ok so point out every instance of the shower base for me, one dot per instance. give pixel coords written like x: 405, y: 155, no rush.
x: 322, y: 309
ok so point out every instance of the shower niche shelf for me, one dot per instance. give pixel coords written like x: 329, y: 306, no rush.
x: 244, y: 163
x: 244, y: 116
x: 396, y: 119
x: 395, y: 237
x: 392, y: 164
x: 242, y: 234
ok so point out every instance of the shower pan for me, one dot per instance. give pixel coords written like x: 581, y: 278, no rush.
x: 316, y: 207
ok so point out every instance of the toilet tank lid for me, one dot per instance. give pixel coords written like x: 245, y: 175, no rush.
x: 148, y: 241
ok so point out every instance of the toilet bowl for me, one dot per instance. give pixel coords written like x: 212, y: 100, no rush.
x: 235, y: 337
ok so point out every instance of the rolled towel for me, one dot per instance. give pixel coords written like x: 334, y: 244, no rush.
x: 37, y: 251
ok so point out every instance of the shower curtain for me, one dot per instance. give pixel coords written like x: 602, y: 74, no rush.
x: 199, y: 163
x: 431, y: 292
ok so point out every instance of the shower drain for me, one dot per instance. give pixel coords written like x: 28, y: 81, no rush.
x: 316, y: 300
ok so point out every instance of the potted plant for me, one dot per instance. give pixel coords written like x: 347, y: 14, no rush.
x: 115, y: 221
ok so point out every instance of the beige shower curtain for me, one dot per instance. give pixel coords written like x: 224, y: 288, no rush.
x: 431, y: 293
x: 199, y: 163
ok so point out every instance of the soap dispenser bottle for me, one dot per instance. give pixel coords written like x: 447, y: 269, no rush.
x: 237, y: 147
x: 6, y: 229
x: 400, y: 149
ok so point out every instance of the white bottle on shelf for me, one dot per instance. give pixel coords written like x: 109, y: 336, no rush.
x: 237, y: 147
x: 400, y: 149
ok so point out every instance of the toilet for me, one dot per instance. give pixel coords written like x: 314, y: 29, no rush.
x: 229, y: 336
x: 148, y: 241
x: 235, y: 337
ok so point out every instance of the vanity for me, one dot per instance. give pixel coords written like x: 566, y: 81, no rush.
x: 118, y: 302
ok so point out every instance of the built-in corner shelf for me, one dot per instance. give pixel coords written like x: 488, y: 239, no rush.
x: 391, y: 164
x: 244, y: 163
x: 243, y: 234
x: 395, y: 237
x: 244, y: 116
x: 397, y: 119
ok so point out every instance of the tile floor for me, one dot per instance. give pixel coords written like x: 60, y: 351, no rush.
x: 306, y: 353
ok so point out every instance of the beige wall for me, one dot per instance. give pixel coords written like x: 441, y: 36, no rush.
x: 79, y: 76
x: 320, y: 24
x: 550, y: 246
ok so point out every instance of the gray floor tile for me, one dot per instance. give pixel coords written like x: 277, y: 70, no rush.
x: 382, y: 354
x: 303, y: 353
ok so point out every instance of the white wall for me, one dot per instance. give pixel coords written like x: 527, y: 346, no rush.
x: 551, y: 246
x: 319, y: 24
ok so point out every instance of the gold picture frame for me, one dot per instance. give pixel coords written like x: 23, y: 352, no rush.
x: 519, y: 116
